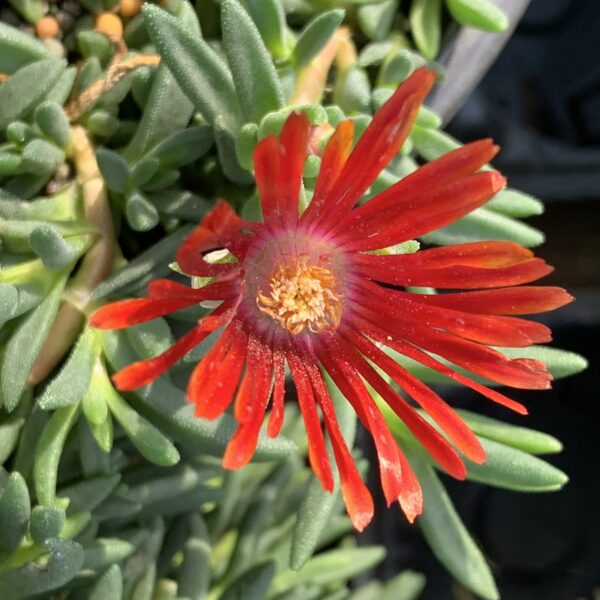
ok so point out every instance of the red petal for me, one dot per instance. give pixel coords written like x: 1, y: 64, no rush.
x: 215, y: 378
x: 416, y: 214
x: 278, y: 408
x: 242, y: 445
x: 293, y: 143
x: 357, y: 497
x: 451, y: 167
x: 166, y: 288
x: 144, y: 372
x: 481, y: 360
x: 259, y: 371
x: 126, y: 313
x: 317, y: 451
x: 448, y: 420
x: 397, y: 482
x: 403, y: 269
x: 334, y: 158
x: 267, y: 171
x: 377, y: 146
x: 434, y: 442
x: 429, y: 361
x: 522, y: 300
x: 397, y: 310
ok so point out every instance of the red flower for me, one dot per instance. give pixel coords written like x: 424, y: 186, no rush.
x: 305, y: 291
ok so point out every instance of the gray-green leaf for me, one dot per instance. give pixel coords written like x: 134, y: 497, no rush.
x: 256, y: 81
x: 448, y: 537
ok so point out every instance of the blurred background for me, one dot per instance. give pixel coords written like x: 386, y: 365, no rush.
x: 541, y: 102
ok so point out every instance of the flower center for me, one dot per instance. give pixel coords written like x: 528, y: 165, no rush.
x: 302, y: 296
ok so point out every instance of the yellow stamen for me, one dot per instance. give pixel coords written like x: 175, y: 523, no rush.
x: 303, y: 296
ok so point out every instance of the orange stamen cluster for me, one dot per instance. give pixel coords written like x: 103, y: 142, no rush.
x: 303, y: 296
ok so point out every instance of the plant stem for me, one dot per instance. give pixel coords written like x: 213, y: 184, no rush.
x: 312, y: 79
x: 96, y: 265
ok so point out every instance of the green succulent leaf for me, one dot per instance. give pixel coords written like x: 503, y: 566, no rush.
x: 104, y: 552
x: 61, y: 90
x: 109, y: 585
x: 376, y: 20
x: 515, y: 470
x: 448, y: 537
x: 41, y: 158
x: 65, y: 205
x: 352, y: 92
x: 406, y: 586
x: 140, y: 212
x: 315, y: 35
x: 521, y: 438
x: 198, y: 70
x: 114, y: 169
x: 150, y: 264
x: 48, y: 452
x: 484, y: 224
x: 180, y: 491
x: 85, y: 495
x: 195, y: 571
x: 10, y: 430
x: 64, y: 561
x: 253, y: 584
x: 269, y: 17
x: 329, y: 567
x: 18, y: 49
x: 93, y: 43
x: 183, y: 147
x: 481, y: 14
x: 27, y: 87
x: 15, y: 509
x: 71, y: 383
x: 167, y: 109
x: 24, y: 345
x: 52, y: 121
x: 515, y: 204
x: 256, y: 81
x: 143, y: 171
x: 315, y: 511
x: 425, y: 19
x: 103, y: 433
x: 46, y: 522
x: 151, y: 443
x: 94, y: 403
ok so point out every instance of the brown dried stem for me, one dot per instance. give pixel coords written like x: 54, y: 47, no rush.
x: 115, y: 72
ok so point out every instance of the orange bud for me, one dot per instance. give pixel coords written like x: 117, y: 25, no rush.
x: 47, y: 27
x: 129, y: 8
x: 109, y: 24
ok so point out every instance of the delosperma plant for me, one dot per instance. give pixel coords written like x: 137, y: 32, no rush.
x: 232, y: 232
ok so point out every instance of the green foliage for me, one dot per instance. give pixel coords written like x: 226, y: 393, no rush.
x: 18, y: 49
x: 27, y: 88
x: 108, y: 495
x: 481, y: 14
x: 246, y: 53
x: 314, y: 36
x: 426, y: 26
x: 449, y: 539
